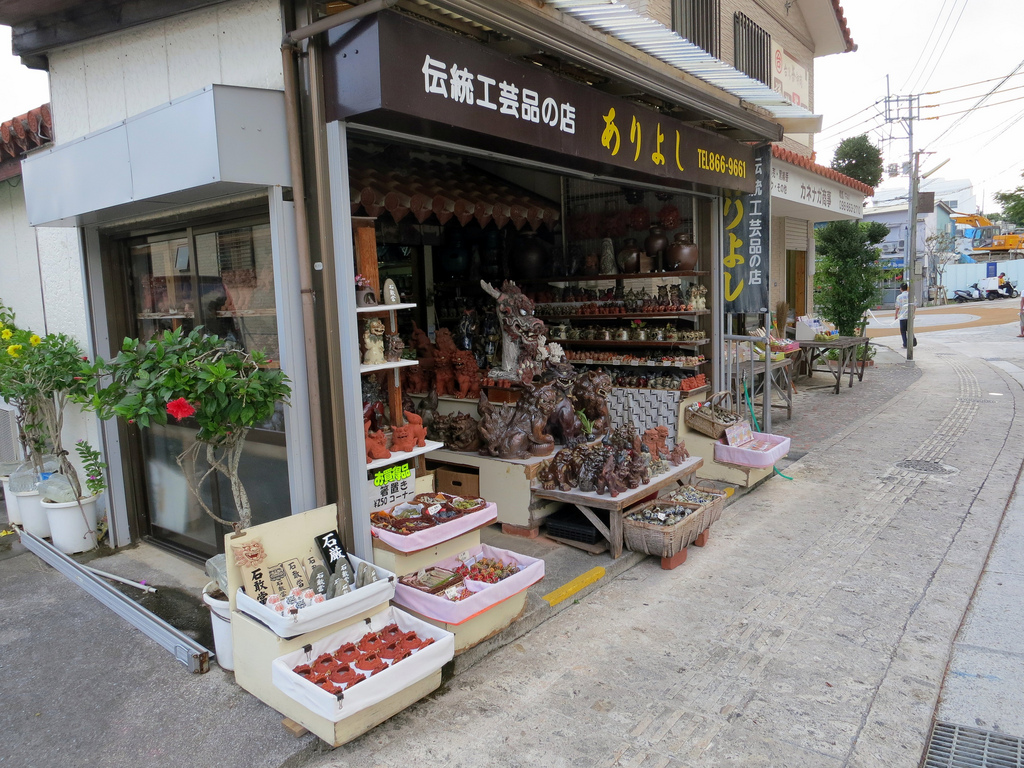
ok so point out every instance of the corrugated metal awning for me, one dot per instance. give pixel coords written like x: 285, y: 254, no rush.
x: 623, y: 23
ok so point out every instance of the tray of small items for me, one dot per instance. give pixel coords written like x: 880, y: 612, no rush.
x: 363, y: 664
x: 430, y: 519
x: 662, y: 528
x: 487, y: 576
x: 359, y: 587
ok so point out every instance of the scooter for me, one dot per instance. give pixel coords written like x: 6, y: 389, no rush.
x: 972, y: 293
x: 1008, y: 291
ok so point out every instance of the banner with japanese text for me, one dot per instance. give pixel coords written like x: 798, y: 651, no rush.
x: 746, y: 262
x: 392, y: 485
x: 455, y: 89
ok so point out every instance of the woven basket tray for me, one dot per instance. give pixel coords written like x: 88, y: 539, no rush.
x: 707, y: 425
x: 713, y: 509
x: 663, y: 540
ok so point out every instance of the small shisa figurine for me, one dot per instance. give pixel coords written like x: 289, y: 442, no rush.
x: 373, y: 341
x: 395, y: 347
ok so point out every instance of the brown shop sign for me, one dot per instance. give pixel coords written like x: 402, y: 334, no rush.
x: 444, y: 80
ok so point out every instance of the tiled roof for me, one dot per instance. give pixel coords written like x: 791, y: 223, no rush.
x: 20, y: 134
x: 841, y: 18
x: 789, y: 156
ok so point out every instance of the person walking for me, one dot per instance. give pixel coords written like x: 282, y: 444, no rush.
x: 903, y: 312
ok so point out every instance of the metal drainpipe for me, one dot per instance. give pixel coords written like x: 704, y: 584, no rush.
x: 289, y: 49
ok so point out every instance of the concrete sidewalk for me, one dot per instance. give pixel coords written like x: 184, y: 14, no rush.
x: 814, y: 629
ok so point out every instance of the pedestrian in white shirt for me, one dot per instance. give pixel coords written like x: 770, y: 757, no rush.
x: 903, y: 313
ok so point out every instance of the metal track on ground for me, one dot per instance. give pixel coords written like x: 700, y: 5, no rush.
x: 957, y: 746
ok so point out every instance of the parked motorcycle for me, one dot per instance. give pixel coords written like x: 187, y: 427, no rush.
x: 971, y: 293
x: 1008, y: 291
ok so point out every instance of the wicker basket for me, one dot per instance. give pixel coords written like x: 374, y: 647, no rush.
x: 712, y: 509
x: 663, y: 540
x: 707, y: 425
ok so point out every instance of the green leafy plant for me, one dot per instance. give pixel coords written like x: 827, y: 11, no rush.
x: 588, y: 424
x: 859, y: 159
x: 222, y: 389
x: 847, y: 271
x: 93, y: 465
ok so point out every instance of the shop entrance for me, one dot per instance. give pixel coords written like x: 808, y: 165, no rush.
x: 796, y: 281
x: 220, y: 277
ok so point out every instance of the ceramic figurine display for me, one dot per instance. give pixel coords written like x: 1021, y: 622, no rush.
x: 629, y: 257
x: 373, y: 342
x: 394, y: 348
x: 608, y: 263
x: 376, y: 444
x: 418, y: 431
x: 522, y: 334
x: 467, y: 374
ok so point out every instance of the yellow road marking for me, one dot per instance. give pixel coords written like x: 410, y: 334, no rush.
x: 568, y: 590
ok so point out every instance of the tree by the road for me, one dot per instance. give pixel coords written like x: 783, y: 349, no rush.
x: 859, y: 159
x: 847, y: 272
x: 1013, y: 205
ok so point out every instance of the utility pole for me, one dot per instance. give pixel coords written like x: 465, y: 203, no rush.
x: 900, y: 109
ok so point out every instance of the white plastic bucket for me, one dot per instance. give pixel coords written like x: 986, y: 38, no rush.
x: 220, y: 616
x: 33, y: 516
x: 69, y: 530
x: 13, y: 514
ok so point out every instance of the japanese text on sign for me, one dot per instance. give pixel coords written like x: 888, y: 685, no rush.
x: 391, y: 486
x: 460, y: 85
x: 747, y: 242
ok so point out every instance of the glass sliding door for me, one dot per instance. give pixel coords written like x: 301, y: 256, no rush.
x: 220, y: 278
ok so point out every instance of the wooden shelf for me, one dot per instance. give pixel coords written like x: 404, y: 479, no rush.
x: 398, y: 456
x: 643, y: 364
x: 619, y: 276
x: 387, y: 366
x: 617, y: 343
x: 628, y: 315
x: 383, y: 308
x: 165, y: 316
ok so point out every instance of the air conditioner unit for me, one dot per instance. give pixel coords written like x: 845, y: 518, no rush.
x: 10, y: 447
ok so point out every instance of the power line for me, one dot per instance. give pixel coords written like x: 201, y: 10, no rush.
x: 975, y: 108
x: 969, y: 85
x: 966, y: 98
x: 833, y: 126
x: 946, y: 45
x: 927, y: 40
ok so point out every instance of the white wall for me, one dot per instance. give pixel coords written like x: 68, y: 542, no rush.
x: 20, y: 287
x: 101, y: 82
x: 960, y: 276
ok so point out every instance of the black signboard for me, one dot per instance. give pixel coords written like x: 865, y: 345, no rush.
x: 746, y: 261
x: 331, y: 548
x: 392, y: 71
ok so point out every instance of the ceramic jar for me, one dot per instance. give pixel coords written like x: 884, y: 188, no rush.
x: 529, y: 256
x: 629, y: 257
x: 622, y: 334
x: 656, y: 242
x: 682, y: 255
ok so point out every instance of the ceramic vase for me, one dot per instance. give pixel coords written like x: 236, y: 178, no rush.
x: 629, y: 257
x: 682, y: 255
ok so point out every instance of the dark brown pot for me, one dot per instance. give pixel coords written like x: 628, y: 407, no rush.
x: 656, y: 242
x: 682, y: 255
x: 629, y: 257
x: 529, y: 256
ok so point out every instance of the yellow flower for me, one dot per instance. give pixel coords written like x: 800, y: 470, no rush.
x: 14, y: 350
x: 34, y: 340
x: 6, y: 334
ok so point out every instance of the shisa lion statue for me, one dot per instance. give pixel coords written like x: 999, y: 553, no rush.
x: 519, y: 432
x: 373, y: 341
x: 522, y: 334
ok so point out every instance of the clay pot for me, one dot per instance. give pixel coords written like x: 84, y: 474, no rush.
x: 629, y: 257
x: 682, y: 255
x: 656, y: 242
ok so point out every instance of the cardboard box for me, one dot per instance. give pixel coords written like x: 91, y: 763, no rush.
x: 458, y: 481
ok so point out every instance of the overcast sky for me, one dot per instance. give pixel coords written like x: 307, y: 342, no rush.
x: 922, y: 45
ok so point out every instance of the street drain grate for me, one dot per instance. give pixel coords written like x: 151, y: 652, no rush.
x: 929, y: 467
x: 956, y: 746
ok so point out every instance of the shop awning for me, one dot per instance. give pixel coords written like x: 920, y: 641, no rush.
x: 802, y: 189
x: 219, y: 141
x: 447, y: 191
x: 633, y: 28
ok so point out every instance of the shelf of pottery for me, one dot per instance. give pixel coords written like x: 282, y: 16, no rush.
x: 314, y: 633
x: 446, y: 575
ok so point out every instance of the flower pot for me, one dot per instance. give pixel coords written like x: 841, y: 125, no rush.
x: 365, y: 297
x: 33, y: 516
x: 13, y: 515
x: 72, y: 529
x: 220, y: 617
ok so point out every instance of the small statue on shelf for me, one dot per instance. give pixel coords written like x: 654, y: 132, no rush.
x: 654, y: 440
x: 467, y: 375
x: 395, y: 346
x: 678, y: 455
x: 444, y: 375
x: 403, y: 439
x: 418, y: 431
x: 376, y: 444
x: 373, y: 342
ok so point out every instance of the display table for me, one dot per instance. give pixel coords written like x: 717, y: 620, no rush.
x: 812, y: 351
x: 623, y: 503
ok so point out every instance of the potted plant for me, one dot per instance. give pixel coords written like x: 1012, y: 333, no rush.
x: 39, y: 376
x: 207, y: 382
x: 73, y: 523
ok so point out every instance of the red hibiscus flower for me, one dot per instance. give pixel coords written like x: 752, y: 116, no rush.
x: 180, y: 408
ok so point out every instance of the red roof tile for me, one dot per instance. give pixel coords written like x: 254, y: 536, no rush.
x: 24, y: 132
x: 790, y: 156
x: 841, y: 18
